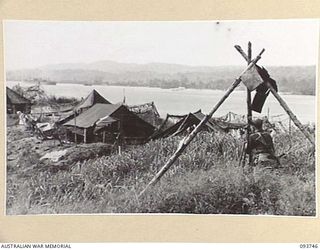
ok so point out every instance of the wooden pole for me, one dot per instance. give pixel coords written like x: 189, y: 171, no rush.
x: 75, y: 126
x: 185, y: 142
x: 244, y: 55
x: 249, y: 114
x: 291, y: 114
x: 289, y: 125
x: 85, y: 135
x: 290, y: 132
x: 284, y: 105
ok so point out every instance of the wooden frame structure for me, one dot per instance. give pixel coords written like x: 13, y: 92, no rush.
x: 186, y: 141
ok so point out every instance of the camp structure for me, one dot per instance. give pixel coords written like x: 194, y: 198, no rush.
x: 254, y: 78
x: 93, y: 98
x: 182, y: 124
x: 147, y: 112
x: 16, y: 102
x: 108, y: 123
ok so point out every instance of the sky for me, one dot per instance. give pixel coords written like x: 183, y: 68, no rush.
x: 31, y: 44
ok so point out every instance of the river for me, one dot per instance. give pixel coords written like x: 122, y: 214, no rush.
x: 181, y: 101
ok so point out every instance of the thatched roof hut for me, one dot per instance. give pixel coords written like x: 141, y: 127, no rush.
x: 147, y: 112
x: 16, y: 102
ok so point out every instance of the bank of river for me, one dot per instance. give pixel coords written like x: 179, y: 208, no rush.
x: 181, y: 101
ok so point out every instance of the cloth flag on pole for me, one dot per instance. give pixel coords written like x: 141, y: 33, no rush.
x: 251, y: 78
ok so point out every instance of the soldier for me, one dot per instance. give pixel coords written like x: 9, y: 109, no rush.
x: 261, y: 145
x: 22, y: 118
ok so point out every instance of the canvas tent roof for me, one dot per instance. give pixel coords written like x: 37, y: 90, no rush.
x: 89, y: 117
x: 105, y: 121
x: 185, y: 121
x: 15, y: 98
x: 93, y: 98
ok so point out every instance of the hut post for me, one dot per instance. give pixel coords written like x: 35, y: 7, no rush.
x: 104, y: 136
x: 75, y: 125
x: 120, y: 134
x: 249, y: 110
x: 85, y: 135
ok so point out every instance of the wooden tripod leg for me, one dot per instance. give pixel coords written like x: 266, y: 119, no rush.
x: 282, y: 103
x: 185, y: 142
x: 291, y: 114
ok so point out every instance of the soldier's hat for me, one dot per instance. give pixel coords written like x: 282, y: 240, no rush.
x: 257, y: 123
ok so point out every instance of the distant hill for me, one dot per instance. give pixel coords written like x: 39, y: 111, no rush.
x: 293, y: 79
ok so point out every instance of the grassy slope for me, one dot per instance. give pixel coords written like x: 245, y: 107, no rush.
x: 206, y: 179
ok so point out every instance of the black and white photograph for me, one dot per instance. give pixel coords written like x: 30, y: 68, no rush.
x: 161, y: 117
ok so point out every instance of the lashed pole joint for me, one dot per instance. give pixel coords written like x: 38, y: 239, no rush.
x: 185, y: 142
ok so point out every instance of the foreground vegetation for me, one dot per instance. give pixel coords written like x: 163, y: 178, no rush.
x: 206, y: 179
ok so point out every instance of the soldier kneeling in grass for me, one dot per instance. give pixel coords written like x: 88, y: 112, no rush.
x: 261, y: 145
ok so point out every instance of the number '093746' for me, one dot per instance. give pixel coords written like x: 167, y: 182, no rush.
x: 305, y: 246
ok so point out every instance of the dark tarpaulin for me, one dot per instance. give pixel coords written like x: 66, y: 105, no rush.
x: 262, y: 91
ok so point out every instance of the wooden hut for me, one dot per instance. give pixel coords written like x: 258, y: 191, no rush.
x: 16, y: 102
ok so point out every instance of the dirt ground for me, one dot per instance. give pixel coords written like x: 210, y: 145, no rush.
x: 25, y: 152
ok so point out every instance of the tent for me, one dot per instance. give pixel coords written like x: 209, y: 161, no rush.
x: 16, y: 102
x: 180, y: 124
x: 93, y: 98
x: 106, y: 122
x: 175, y: 125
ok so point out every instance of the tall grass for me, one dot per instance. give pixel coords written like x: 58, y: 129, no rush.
x: 207, y: 179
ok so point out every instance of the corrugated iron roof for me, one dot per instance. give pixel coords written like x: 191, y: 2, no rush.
x: 89, y: 117
x: 15, y: 98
